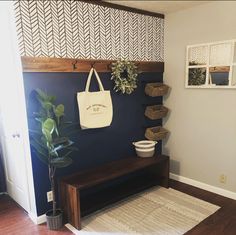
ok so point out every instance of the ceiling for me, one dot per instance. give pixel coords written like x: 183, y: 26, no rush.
x: 164, y: 7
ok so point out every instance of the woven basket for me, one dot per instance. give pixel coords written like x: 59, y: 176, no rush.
x: 156, y: 112
x: 156, y: 133
x: 156, y: 89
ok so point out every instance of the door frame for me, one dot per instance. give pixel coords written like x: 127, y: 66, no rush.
x: 7, y: 8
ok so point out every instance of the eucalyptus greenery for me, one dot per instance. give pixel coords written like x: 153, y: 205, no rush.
x: 124, y: 74
x: 49, y: 137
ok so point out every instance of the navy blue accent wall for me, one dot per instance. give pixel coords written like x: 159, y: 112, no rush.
x: 96, y: 146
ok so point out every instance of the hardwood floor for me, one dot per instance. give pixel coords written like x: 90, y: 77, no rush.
x: 223, y: 222
x: 14, y: 221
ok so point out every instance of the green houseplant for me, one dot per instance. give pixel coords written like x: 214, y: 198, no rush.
x: 50, y: 140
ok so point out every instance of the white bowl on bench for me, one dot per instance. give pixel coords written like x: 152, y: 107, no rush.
x: 145, y: 148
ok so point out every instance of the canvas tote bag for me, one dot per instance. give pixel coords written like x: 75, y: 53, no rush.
x: 95, y: 108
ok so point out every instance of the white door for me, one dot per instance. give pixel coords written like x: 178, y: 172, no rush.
x: 15, y: 168
x: 13, y: 124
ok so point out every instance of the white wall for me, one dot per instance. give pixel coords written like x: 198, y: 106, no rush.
x: 202, y: 122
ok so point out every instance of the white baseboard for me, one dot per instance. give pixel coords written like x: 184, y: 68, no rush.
x: 3, y: 193
x: 207, y: 187
x: 38, y: 219
x: 41, y: 219
x: 33, y: 217
x: 74, y: 230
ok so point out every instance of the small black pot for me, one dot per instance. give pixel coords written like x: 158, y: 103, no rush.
x: 54, y: 222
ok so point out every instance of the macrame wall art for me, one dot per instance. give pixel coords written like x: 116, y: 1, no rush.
x: 75, y: 29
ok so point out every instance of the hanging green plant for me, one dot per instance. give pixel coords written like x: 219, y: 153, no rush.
x: 124, y: 74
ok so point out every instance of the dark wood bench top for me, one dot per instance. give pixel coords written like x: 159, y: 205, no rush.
x: 111, y: 171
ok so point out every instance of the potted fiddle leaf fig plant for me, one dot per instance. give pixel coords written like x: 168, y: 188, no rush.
x: 52, y: 145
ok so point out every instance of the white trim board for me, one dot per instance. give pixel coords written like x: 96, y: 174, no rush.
x: 207, y: 187
x: 37, y: 219
x: 74, y: 230
x: 3, y: 193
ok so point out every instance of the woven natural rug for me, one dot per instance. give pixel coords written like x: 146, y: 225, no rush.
x: 155, y: 211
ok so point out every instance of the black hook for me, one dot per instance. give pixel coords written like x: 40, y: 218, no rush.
x: 92, y: 65
x: 74, y: 65
x: 109, y: 66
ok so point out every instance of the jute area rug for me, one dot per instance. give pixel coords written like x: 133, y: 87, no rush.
x: 155, y: 211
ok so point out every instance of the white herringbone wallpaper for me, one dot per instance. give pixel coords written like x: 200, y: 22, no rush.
x: 74, y: 29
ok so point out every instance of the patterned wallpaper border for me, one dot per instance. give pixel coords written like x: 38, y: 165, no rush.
x: 75, y: 29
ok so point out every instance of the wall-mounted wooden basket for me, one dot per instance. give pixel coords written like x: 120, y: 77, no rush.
x: 155, y: 112
x: 156, y: 89
x: 156, y: 133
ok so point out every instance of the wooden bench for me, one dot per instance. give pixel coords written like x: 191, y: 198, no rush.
x: 110, y: 183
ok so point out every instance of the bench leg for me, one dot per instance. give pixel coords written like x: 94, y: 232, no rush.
x: 160, y: 172
x: 73, y: 198
x: 165, y: 174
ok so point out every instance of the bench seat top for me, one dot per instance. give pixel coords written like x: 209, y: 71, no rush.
x: 111, y: 170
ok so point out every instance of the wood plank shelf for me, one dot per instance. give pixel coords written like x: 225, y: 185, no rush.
x: 147, y: 172
x: 45, y: 64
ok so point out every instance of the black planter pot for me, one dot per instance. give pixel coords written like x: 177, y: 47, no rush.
x: 54, y: 222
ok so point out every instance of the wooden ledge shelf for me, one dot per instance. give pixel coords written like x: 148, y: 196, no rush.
x: 45, y: 64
